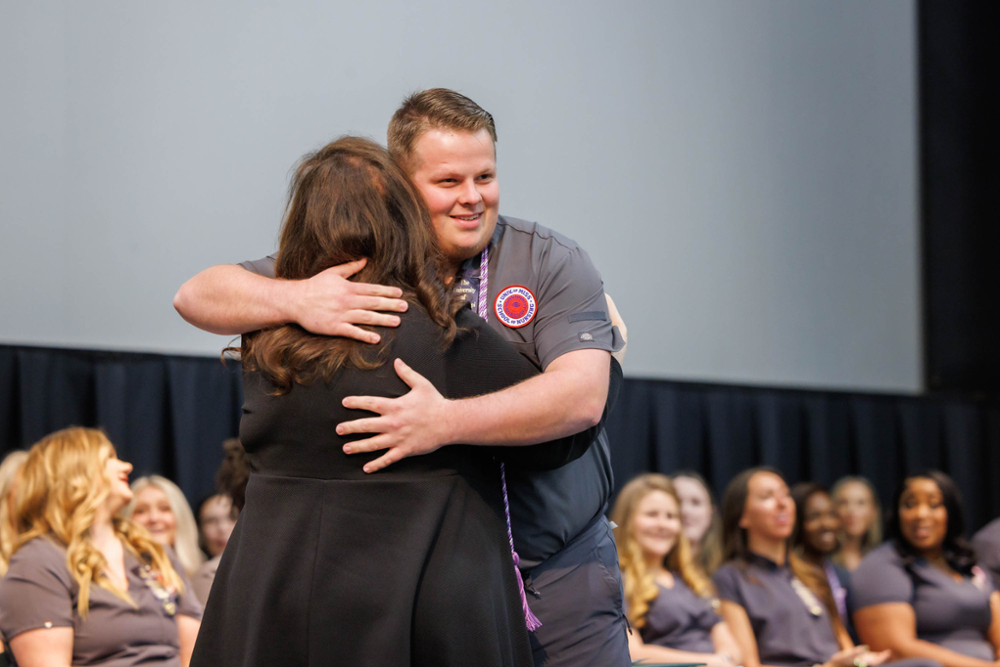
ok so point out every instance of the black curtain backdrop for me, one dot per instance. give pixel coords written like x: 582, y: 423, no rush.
x: 165, y: 414
x: 169, y: 415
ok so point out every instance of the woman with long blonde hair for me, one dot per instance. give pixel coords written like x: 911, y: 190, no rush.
x: 85, y: 586
x: 159, y: 506
x: 668, y: 597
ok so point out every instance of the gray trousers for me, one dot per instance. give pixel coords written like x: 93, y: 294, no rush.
x: 577, y: 595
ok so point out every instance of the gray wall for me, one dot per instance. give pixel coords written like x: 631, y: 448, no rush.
x: 743, y: 173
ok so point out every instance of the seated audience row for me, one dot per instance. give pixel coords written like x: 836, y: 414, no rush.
x: 104, y: 573
x: 84, y: 585
x: 780, y: 598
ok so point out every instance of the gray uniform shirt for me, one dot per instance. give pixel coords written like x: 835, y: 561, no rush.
x: 548, y: 509
x: 954, y: 614
x: 39, y: 592
x: 787, y: 631
x: 679, y: 618
x: 987, y: 545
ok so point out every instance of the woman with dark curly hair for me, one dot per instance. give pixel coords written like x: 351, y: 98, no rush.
x: 921, y: 593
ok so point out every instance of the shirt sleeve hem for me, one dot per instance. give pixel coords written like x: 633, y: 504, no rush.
x: 38, y: 625
x: 573, y: 346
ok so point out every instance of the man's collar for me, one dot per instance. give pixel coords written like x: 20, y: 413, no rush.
x: 472, y: 263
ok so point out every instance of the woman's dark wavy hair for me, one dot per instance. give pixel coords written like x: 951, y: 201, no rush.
x: 957, y: 551
x: 350, y: 200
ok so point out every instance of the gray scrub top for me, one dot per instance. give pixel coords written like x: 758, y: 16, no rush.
x: 39, y: 592
x: 681, y: 619
x: 787, y: 632
x: 953, y: 614
x: 548, y: 509
x: 987, y: 545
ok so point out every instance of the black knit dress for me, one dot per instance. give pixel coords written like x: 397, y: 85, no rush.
x: 329, y: 565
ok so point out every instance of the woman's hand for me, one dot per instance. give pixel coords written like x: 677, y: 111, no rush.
x: 721, y: 659
x: 858, y: 656
x: 871, y: 658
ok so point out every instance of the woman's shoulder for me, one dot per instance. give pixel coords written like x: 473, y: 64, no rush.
x: 40, y: 558
x: 881, y: 577
x: 728, y: 575
x: 881, y: 557
x: 39, y: 551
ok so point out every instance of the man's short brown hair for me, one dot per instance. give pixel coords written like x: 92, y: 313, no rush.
x: 436, y: 108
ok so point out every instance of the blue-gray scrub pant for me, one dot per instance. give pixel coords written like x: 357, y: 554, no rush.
x: 577, y: 595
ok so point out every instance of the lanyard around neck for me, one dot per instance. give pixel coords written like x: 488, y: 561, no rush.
x: 484, y: 280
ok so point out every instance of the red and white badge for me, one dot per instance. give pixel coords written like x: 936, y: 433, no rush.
x: 515, y: 306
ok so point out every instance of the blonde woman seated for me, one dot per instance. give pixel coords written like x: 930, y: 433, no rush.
x: 668, y: 598
x: 85, y: 587
x: 159, y: 506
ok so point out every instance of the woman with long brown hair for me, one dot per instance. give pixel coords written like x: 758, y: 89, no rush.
x: 779, y: 607
x: 409, y: 566
x: 669, y: 599
x: 85, y: 586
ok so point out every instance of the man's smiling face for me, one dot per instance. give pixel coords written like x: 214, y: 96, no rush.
x: 457, y: 175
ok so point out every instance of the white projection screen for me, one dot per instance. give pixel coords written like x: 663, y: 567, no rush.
x: 744, y: 173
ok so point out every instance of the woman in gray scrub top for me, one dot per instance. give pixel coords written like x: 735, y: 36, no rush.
x: 779, y: 607
x: 86, y: 587
x: 921, y: 593
x: 669, y: 600
x: 815, y: 540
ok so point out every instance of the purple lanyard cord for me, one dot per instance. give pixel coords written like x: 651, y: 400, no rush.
x: 529, y: 618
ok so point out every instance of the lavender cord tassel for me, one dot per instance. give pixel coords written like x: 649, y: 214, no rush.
x: 529, y: 618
